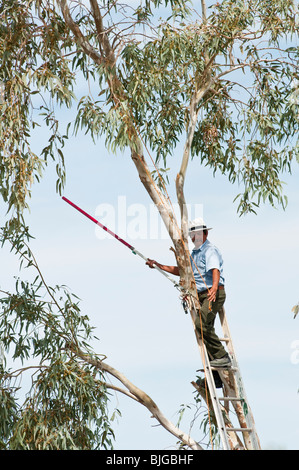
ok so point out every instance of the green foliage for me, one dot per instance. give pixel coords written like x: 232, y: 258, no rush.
x: 35, y: 74
x: 8, y: 409
x: 65, y: 410
x: 295, y: 310
x: 247, y: 120
x: 250, y: 138
x: 42, y: 328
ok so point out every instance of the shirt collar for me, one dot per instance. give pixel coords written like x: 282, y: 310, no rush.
x: 202, y: 246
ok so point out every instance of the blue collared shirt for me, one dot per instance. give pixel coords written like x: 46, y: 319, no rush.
x: 206, y: 258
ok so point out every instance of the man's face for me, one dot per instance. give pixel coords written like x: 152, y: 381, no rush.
x: 197, y: 237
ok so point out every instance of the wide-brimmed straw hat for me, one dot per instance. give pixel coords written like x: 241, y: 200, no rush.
x: 197, y: 225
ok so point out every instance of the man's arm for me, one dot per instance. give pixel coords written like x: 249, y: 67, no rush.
x: 169, y: 269
x: 214, y: 288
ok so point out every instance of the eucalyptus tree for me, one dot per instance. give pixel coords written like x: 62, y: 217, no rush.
x: 221, y: 77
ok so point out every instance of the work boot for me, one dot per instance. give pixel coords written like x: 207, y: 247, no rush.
x: 217, y: 379
x: 222, y: 362
x: 200, y: 382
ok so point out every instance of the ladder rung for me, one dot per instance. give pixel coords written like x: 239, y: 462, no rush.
x: 224, y: 339
x: 239, y: 429
x: 228, y: 369
x: 230, y: 399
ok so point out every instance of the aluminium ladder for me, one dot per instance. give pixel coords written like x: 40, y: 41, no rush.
x: 234, y: 395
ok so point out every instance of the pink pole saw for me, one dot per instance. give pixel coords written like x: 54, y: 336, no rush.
x: 133, y: 250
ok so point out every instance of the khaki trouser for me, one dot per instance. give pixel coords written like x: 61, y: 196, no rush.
x: 205, y: 323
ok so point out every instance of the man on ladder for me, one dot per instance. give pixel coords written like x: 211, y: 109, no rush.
x: 211, y: 293
x: 207, y: 266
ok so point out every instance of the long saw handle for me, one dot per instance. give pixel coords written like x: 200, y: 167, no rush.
x: 133, y: 250
x: 136, y: 252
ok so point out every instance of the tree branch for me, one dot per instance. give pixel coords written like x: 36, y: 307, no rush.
x: 121, y: 390
x: 102, y: 35
x: 141, y: 397
x: 119, y: 97
x: 180, y: 179
x: 81, y: 39
x: 155, y: 194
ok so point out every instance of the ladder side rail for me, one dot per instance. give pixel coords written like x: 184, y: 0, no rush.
x: 213, y: 395
x: 231, y: 391
x: 251, y: 439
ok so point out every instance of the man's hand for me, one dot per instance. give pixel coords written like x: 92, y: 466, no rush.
x: 151, y: 263
x: 212, y: 293
x: 213, y: 290
x: 169, y: 269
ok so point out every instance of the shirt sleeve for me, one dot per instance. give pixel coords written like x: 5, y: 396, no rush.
x: 213, y: 260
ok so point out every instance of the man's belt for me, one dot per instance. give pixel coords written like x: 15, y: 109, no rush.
x: 207, y: 290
